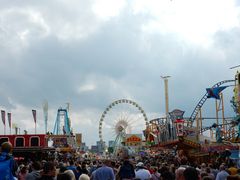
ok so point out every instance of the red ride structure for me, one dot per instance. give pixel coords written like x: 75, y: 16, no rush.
x: 28, y: 145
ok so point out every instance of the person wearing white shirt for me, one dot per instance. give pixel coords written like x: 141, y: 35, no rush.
x: 142, y: 173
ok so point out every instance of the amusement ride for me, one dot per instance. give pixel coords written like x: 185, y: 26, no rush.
x: 125, y: 122
x: 123, y: 117
x: 189, y: 133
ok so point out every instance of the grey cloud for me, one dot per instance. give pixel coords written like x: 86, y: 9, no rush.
x: 118, y: 58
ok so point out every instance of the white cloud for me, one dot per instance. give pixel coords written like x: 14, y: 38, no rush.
x: 194, y: 21
x: 86, y: 87
x: 106, y: 9
x: 20, y: 27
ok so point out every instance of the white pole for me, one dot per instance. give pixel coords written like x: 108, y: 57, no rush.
x: 166, y: 94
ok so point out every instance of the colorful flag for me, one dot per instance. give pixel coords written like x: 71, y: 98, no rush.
x: 9, y: 120
x: 34, y: 112
x: 3, y: 116
x: 214, y: 92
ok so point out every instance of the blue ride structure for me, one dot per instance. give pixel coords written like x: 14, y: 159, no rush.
x: 62, y: 123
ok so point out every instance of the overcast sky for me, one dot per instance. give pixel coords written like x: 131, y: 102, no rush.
x: 90, y: 53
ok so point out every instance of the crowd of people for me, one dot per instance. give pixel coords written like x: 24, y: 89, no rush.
x: 164, y: 166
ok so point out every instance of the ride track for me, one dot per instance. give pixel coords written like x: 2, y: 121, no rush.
x: 203, y: 100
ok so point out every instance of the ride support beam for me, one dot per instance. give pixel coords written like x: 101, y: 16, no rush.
x: 223, y: 115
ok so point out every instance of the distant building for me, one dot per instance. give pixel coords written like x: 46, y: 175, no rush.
x: 111, y: 146
x: 83, y: 147
x: 101, y: 146
x: 94, y: 149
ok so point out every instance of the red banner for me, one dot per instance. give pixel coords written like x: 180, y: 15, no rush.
x: 3, y: 117
x: 34, y: 112
x: 9, y: 120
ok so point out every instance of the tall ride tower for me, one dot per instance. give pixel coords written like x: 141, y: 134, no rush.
x: 45, y: 114
x: 62, y: 123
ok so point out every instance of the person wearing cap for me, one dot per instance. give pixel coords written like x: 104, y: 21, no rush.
x: 141, y: 172
x: 6, y: 149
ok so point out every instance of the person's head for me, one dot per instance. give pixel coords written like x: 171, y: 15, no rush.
x: 113, y: 164
x: 71, y: 162
x: 125, y: 162
x: 43, y: 162
x: 70, y: 173
x: 222, y: 167
x: 155, y: 169
x: 36, y: 165
x: 61, y: 164
x: 203, y: 174
x: 179, y: 173
x: 190, y: 173
x: 203, y: 166
x: 140, y: 165
x: 63, y: 176
x: 232, y: 164
x: 6, y: 147
x: 167, y: 176
x: 78, y: 168
x: 208, y: 170
x: 23, y: 169
x: 49, y: 169
x: 172, y: 168
x: 84, y: 177
x: 106, y: 162
x: 62, y: 169
x: 207, y: 178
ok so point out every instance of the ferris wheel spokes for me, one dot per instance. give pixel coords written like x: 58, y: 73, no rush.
x: 120, y: 121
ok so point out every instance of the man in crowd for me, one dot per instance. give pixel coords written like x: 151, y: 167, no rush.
x: 141, y: 172
x: 222, y: 175
x: 35, y: 173
x: 104, y: 173
x: 8, y: 166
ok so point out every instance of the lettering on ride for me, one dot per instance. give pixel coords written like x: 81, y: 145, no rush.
x: 134, y: 139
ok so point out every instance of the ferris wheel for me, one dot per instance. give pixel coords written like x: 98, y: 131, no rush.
x: 121, y: 117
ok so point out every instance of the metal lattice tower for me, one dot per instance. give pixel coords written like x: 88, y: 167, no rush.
x: 62, y: 123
